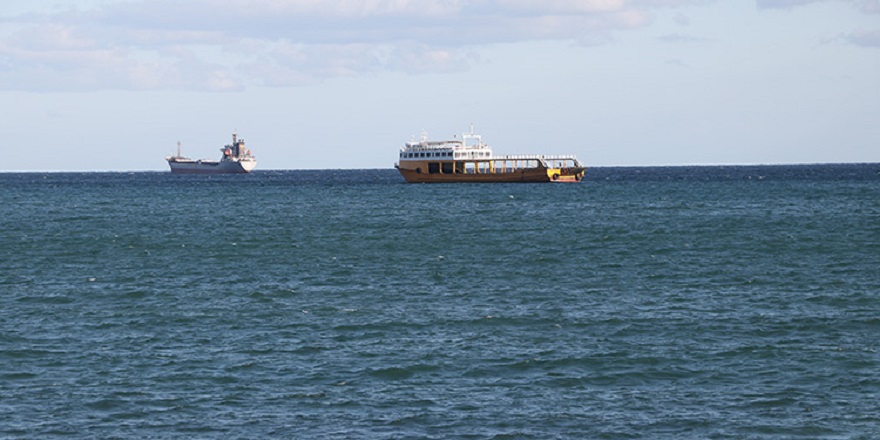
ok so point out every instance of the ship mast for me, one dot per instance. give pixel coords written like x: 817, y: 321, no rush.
x: 178, y: 148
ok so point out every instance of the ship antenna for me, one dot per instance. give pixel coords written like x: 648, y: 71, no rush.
x: 178, y: 148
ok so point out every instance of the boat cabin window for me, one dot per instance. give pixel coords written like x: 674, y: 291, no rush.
x: 433, y: 167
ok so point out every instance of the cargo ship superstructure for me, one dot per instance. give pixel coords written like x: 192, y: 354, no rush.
x: 236, y: 159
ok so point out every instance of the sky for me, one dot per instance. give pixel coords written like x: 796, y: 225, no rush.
x: 114, y: 85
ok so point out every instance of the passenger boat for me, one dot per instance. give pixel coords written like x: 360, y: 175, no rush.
x: 236, y: 159
x: 470, y: 160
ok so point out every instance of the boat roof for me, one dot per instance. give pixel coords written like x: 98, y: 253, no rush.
x: 468, y: 141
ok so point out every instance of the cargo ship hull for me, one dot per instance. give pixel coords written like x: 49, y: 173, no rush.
x: 210, y: 167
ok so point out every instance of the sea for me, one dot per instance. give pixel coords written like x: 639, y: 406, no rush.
x: 709, y: 302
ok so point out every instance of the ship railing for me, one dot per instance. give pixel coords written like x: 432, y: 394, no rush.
x: 428, y: 146
x: 535, y: 157
x: 548, y: 160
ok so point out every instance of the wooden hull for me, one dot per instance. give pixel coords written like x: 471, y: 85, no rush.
x: 413, y: 173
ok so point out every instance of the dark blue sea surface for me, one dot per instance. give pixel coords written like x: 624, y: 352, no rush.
x: 655, y: 303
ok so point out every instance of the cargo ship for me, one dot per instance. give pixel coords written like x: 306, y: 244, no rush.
x: 236, y: 159
x: 470, y: 160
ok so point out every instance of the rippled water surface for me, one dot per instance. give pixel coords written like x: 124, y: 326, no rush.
x: 708, y: 302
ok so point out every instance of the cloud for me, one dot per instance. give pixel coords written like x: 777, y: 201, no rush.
x: 858, y: 38
x: 865, y: 38
x: 682, y: 20
x: 869, y: 6
x: 64, y: 57
x: 866, y: 6
x: 229, y: 44
x: 679, y: 38
x: 784, y: 4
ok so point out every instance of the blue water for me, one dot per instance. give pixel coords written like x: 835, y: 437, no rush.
x: 683, y: 302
